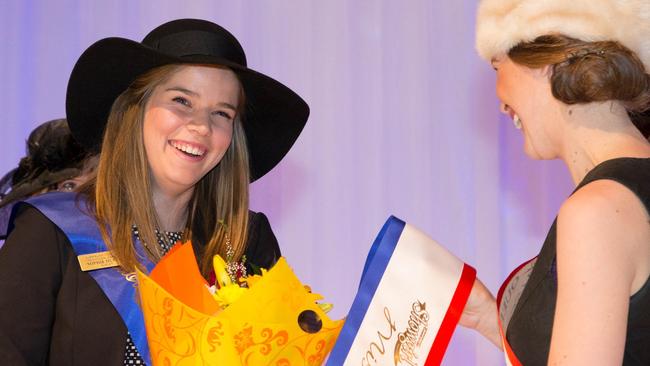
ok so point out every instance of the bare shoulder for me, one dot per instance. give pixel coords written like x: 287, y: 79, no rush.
x: 603, y: 257
x: 606, y: 224
x: 605, y: 202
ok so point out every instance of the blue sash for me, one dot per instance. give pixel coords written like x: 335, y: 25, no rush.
x: 380, y: 253
x: 66, y: 210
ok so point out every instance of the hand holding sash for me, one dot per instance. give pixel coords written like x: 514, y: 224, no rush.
x: 480, y: 313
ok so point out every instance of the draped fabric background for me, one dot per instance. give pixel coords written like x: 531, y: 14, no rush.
x: 404, y: 121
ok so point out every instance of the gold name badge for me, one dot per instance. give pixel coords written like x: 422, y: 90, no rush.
x: 93, y: 261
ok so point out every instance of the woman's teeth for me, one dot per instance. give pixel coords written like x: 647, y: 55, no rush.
x: 188, y: 149
x: 516, y: 121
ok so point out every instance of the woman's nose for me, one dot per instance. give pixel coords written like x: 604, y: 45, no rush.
x: 200, y: 123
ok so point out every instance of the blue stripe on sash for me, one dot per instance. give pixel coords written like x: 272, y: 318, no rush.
x: 380, y: 253
x: 67, y: 212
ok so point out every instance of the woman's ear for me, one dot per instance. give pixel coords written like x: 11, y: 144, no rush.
x: 546, y: 71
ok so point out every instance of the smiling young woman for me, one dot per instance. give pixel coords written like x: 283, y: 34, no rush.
x: 180, y: 144
x: 164, y: 109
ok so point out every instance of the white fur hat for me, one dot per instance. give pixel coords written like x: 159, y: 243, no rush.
x: 502, y: 24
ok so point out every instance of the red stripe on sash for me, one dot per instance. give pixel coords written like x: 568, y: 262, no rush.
x: 452, y: 316
x: 509, y: 353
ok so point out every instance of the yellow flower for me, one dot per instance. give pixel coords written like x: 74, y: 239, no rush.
x: 228, y: 294
x: 221, y: 271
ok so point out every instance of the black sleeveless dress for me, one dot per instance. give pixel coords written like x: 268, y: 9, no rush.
x: 529, y: 329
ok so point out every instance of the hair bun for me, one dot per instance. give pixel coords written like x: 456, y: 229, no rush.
x: 52, y: 147
x: 602, y: 71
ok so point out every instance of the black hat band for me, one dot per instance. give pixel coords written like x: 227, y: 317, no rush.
x: 195, y: 42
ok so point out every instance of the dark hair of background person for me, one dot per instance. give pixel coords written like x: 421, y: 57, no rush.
x: 52, y: 156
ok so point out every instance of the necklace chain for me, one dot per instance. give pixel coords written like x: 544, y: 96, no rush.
x: 173, y: 238
x: 165, y: 241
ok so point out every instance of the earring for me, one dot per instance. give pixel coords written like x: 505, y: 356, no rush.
x: 517, y: 122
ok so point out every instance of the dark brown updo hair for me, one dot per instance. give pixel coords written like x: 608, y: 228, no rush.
x: 584, y: 72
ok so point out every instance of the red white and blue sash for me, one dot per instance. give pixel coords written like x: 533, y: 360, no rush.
x: 411, y: 296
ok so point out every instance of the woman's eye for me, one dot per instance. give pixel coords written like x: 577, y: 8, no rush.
x: 223, y: 114
x: 182, y: 101
x: 67, y: 186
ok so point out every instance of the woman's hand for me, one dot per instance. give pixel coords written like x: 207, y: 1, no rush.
x: 480, y: 313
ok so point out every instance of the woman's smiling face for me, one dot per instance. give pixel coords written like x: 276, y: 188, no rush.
x: 526, y: 97
x: 188, y: 125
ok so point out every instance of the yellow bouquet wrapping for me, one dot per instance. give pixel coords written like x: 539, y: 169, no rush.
x: 265, y: 325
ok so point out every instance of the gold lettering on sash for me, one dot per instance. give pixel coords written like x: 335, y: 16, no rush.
x: 411, y: 339
x: 380, y: 348
x: 93, y: 261
x: 131, y: 277
x: 407, y: 342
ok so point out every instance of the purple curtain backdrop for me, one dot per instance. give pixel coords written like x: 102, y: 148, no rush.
x: 404, y: 121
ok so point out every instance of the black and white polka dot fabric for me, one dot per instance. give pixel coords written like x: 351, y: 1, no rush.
x: 131, y: 354
x: 173, y: 238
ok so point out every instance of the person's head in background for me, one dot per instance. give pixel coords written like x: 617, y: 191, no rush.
x: 54, y: 161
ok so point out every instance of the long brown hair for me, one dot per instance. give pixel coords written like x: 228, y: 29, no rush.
x: 121, y: 192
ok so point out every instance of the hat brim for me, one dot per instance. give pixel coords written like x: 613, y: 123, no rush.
x: 273, y: 119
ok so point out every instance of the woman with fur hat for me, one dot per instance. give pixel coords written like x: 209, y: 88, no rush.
x: 183, y: 126
x: 573, y: 76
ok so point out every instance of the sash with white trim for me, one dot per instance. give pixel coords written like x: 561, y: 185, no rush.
x: 62, y: 208
x: 411, y: 296
x: 507, y: 299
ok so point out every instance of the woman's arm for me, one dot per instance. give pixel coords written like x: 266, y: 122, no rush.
x: 30, y: 275
x: 603, y: 252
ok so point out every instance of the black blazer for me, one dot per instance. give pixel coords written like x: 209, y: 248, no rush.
x: 52, y: 313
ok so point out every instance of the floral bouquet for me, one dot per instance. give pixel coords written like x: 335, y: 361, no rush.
x: 267, y: 319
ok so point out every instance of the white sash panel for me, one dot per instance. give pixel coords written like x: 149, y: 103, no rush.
x: 421, y: 290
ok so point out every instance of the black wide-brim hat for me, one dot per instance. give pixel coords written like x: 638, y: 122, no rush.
x: 274, y: 115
